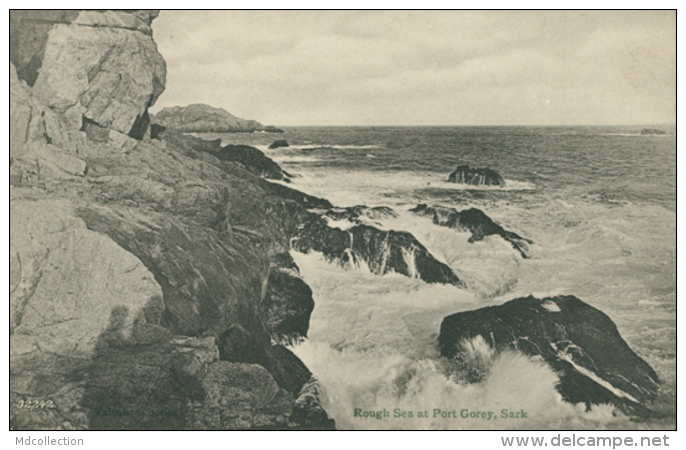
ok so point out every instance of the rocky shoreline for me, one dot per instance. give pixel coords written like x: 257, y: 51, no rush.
x: 151, y: 284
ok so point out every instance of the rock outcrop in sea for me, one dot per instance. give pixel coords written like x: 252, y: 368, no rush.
x: 475, y: 221
x: 478, y: 177
x: 201, y: 118
x: 278, y: 143
x: 595, y: 365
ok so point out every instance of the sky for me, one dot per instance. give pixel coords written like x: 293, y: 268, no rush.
x: 294, y: 68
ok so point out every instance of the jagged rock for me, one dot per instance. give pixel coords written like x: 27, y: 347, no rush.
x: 578, y: 341
x: 479, y: 177
x: 381, y: 251
x: 288, y: 303
x: 101, y: 65
x: 278, y: 143
x: 199, y: 118
x: 33, y: 123
x: 473, y: 220
x: 254, y: 160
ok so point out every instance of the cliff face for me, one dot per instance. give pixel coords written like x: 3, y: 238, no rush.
x: 140, y: 290
x: 97, y: 66
x: 203, y: 118
x: 151, y: 284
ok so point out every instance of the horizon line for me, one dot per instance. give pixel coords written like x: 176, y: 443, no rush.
x: 473, y: 126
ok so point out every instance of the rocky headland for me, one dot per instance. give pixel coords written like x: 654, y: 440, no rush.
x: 201, y: 118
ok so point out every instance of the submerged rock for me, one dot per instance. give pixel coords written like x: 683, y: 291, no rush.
x: 473, y: 220
x: 380, y: 251
x: 578, y: 341
x: 278, y: 143
x: 478, y: 177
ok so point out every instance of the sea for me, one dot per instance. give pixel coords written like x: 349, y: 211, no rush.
x: 599, y: 204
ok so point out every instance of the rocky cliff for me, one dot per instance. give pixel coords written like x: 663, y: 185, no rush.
x: 151, y: 284
x: 204, y: 118
x: 150, y: 280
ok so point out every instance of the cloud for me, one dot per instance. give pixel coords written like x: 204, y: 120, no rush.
x: 423, y: 67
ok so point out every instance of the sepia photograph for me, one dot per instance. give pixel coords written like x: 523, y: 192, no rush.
x: 342, y: 220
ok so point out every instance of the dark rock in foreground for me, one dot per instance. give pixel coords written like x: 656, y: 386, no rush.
x: 478, y: 177
x: 578, y: 341
x: 473, y: 220
x: 253, y: 160
x: 288, y: 303
x: 279, y: 143
x: 382, y: 251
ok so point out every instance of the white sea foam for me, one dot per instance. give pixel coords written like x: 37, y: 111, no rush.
x: 350, y: 188
x: 372, y: 346
x: 372, y: 340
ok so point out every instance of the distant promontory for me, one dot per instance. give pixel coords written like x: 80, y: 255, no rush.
x: 200, y: 118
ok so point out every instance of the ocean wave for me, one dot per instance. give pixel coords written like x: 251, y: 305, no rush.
x: 400, y: 392
x: 354, y: 187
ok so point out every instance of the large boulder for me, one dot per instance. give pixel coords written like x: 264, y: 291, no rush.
x: 68, y: 284
x: 578, y: 341
x: 199, y: 118
x: 478, y: 177
x: 97, y: 65
x: 475, y: 221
